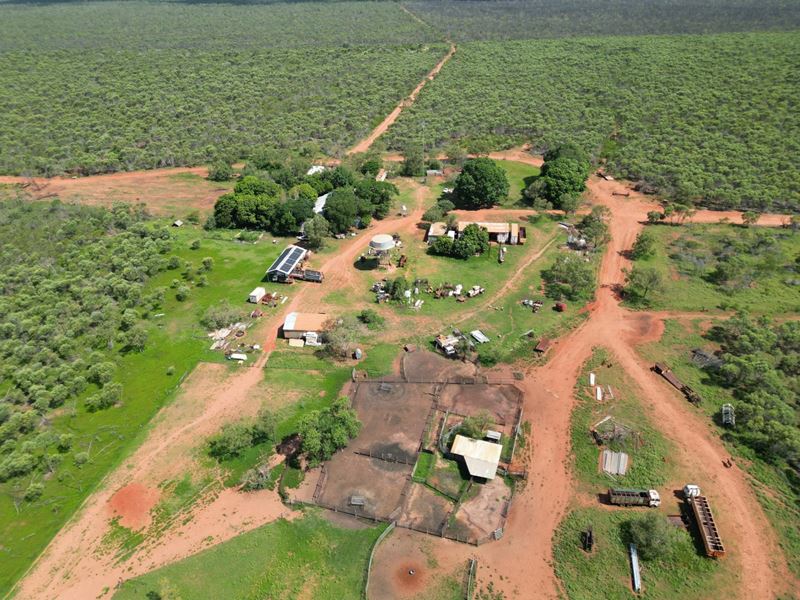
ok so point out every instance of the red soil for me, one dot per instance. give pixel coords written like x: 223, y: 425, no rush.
x: 132, y: 505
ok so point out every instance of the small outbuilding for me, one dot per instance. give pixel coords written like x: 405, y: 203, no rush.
x: 289, y: 260
x: 177, y: 223
x: 297, y: 325
x: 480, y: 457
x: 319, y: 203
x: 256, y: 295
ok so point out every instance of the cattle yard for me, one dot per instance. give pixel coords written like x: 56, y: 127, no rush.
x: 399, y: 470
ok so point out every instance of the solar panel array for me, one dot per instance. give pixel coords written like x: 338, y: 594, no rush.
x: 288, y: 260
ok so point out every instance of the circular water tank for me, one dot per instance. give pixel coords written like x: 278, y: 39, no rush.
x: 382, y: 242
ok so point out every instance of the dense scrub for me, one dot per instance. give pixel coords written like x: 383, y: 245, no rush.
x: 143, y: 25
x: 709, y: 119
x: 520, y: 19
x: 73, y: 292
x: 94, y: 88
x: 761, y: 364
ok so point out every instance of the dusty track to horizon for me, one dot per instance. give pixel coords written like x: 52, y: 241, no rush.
x: 387, y: 122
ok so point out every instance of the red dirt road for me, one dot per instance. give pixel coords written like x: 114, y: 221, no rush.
x: 74, y: 565
x: 524, y: 555
x: 367, y: 142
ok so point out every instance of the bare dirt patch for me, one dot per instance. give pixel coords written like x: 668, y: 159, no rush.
x: 167, y: 192
x: 432, y: 559
x: 132, y: 504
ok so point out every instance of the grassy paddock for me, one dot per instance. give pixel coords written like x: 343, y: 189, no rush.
x: 304, y: 558
x: 175, y: 340
x: 649, y: 466
x: 606, y: 573
x: 520, y: 176
x: 684, y: 256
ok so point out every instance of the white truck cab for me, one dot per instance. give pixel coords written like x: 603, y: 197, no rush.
x: 690, y: 491
x: 655, y: 499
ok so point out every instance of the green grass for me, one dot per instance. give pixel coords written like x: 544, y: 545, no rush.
x: 422, y: 469
x: 121, y: 540
x: 307, y: 557
x: 605, y: 573
x: 292, y: 478
x: 520, y: 176
x: 686, y: 290
x: 649, y: 465
x: 445, y: 477
x: 777, y: 486
x: 175, y: 340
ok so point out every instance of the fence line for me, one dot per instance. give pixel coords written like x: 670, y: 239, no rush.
x: 386, y: 532
x: 473, y: 566
x: 385, y: 457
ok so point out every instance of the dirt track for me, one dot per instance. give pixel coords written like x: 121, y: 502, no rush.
x: 524, y: 555
x: 73, y: 567
x: 367, y: 142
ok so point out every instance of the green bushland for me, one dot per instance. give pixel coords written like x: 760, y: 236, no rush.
x: 774, y: 480
x: 511, y: 19
x: 60, y: 250
x: 701, y: 130
x: 202, y: 85
x: 710, y: 267
x: 305, y: 557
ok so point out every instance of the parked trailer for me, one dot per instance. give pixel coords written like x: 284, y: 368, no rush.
x: 663, y: 370
x: 707, y: 526
x: 634, y: 497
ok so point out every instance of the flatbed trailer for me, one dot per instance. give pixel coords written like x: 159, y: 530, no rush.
x: 663, y: 370
x: 708, y: 528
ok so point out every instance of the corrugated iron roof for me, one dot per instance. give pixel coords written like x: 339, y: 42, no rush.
x: 481, y: 457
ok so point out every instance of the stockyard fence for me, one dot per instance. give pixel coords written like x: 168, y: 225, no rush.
x: 386, y: 457
x: 381, y: 537
x: 476, y: 380
x: 472, y: 567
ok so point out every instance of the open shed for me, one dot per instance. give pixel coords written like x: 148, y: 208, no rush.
x: 290, y: 259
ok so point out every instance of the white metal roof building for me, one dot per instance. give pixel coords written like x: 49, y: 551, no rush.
x: 480, y: 457
x: 319, y: 203
x: 286, y: 263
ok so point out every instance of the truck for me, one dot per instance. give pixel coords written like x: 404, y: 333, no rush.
x: 634, y: 497
x: 664, y: 370
x: 701, y: 510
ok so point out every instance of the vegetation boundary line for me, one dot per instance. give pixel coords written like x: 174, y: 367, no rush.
x: 99, y: 484
x: 380, y: 538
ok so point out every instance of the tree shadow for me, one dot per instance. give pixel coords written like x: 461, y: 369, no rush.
x: 366, y: 264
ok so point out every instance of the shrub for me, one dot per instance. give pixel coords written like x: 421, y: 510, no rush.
x: 652, y: 534
x: 371, y: 318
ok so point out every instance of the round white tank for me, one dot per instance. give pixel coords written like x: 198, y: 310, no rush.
x: 382, y: 242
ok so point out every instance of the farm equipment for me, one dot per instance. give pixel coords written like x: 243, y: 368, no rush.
x: 705, y: 521
x: 560, y: 307
x: 534, y: 305
x: 634, y: 497
x: 402, y: 261
x: 308, y: 275
x: 663, y: 370
x: 728, y: 415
